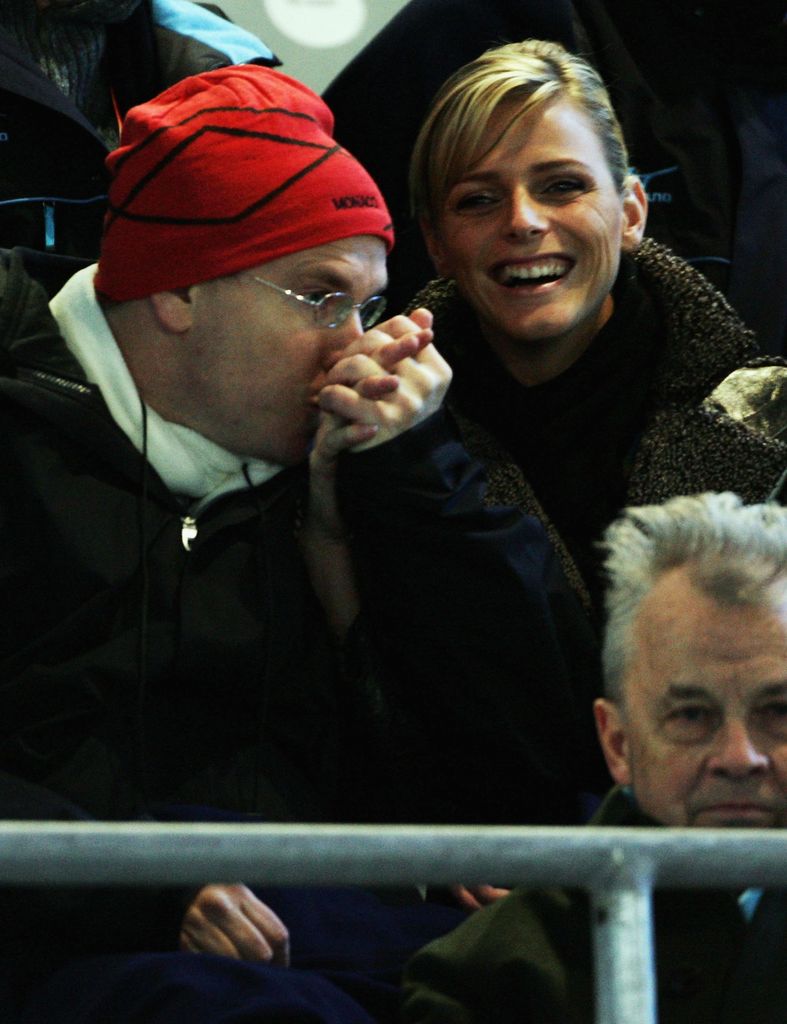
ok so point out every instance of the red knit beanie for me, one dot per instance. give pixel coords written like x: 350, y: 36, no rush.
x: 224, y: 171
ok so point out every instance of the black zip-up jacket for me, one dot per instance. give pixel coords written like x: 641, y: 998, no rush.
x: 133, y: 670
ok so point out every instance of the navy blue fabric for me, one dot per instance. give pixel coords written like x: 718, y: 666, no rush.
x: 178, y: 988
x: 348, y: 948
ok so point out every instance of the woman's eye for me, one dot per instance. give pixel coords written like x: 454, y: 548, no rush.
x: 473, y: 200
x: 565, y: 187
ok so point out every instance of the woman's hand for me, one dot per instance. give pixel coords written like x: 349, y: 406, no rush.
x: 388, y: 380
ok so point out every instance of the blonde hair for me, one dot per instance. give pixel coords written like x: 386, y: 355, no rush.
x: 532, y: 72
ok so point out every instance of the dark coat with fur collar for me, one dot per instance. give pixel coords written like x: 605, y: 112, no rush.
x: 718, y: 417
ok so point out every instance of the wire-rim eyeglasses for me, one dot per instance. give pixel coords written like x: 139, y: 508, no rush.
x: 334, y: 308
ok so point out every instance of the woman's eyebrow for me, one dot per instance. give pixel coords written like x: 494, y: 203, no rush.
x: 558, y: 164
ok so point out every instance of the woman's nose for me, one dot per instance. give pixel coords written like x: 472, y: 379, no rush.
x: 526, y: 216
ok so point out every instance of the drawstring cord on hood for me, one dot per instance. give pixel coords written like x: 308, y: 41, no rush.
x: 267, y: 676
x: 140, y: 752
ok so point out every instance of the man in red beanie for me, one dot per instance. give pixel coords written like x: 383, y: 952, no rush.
x: 190, y: 616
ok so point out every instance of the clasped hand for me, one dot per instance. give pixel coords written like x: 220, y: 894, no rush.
x: 382, y: 384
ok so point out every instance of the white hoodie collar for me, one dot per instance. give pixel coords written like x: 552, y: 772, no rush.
x: 188, y: 463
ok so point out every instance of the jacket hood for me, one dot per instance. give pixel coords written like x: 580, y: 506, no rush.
x: 21, y: 76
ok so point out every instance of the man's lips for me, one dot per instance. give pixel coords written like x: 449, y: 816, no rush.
x: 741, y: 810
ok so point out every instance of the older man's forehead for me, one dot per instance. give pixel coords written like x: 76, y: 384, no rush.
x: 683, y: 640
x: 677, y: 604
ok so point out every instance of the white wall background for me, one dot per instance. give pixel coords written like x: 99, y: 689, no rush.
x: 313, y: 38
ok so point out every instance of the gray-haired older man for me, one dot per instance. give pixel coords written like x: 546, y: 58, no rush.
x: 694, y: 730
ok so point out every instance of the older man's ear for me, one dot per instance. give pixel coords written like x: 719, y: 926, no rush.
x: 613, y: 737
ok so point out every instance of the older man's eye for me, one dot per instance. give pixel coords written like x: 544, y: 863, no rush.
x: 773, y: 717
x: 690, y: 722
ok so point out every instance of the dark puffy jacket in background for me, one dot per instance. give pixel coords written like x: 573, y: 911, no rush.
x: 52, y: 178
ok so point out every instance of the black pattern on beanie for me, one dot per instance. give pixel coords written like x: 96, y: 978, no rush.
x: 125, y: 209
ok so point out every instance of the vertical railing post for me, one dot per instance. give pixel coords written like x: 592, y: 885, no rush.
x: 622, y: 919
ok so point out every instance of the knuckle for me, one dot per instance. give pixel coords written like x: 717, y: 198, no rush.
x: 402, y: 322
x: 216, y: 900
x: 278, y: 936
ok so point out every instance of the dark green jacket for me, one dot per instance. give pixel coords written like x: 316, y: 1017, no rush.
x: 528, y: 959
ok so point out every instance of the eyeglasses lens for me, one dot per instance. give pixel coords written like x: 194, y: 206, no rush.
x: 334, y: 310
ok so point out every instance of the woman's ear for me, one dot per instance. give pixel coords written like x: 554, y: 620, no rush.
x: 435, y: 248
x: 635, y: 214
x: 173, y: 310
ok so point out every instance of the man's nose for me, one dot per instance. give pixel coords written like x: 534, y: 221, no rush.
x: 736, y: 752
x: 337, y: 339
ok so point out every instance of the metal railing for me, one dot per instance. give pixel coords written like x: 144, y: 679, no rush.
x: 618, y: 866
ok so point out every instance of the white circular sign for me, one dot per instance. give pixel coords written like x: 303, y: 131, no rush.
x: 320, y: 24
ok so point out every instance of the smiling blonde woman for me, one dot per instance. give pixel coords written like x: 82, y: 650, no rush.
x: 587, y: 359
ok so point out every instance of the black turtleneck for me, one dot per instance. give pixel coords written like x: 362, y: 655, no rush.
x: 574, y: 437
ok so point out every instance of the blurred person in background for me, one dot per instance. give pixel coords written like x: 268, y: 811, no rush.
x: 69, y: 72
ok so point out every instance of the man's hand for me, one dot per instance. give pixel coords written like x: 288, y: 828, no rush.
x: 229, y: 920
x: 383, y: 384
x: 365, y: 375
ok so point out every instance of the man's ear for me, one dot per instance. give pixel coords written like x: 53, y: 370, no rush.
x: 435, y: 248
x: 173, y: 310
x: 611, y: 728
x: 635, y: 214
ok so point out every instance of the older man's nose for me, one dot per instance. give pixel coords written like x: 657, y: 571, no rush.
x: 737, y: 753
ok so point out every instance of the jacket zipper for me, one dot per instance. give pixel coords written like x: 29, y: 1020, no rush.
x: 62, y: 382
x: 188, y: 531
